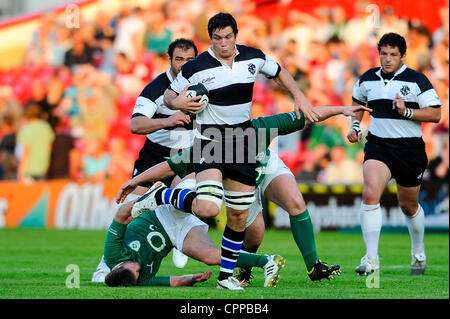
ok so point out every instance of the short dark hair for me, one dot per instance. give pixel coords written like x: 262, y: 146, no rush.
x: 184, y: 44
x: 393, y: 40
x: 120, y: 276
x: 221, y: 21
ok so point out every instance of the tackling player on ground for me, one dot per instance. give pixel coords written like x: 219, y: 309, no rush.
x: 277, y: 183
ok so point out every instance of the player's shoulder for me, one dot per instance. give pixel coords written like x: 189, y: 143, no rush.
x: 410, y: 75
x: 201, y: 62
x: 369, y: 75
x: 248, y: 53
x: 157, y: 87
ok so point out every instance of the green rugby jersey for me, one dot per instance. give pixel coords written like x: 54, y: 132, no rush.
x: 143, y: 240
x: 267, y: 128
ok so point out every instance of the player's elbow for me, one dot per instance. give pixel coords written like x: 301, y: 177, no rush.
x: 437, y: 117
x: 136, y: 127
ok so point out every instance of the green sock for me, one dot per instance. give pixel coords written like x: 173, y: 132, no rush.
x: 303, y: 232
x: 250, y: 259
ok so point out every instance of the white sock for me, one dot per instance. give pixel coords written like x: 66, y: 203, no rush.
x: 371, y: 221
x: 416, y: 228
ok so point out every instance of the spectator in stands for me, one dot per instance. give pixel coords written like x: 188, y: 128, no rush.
x: 131, y: 76
x: 34, y: 142
x: 80, y: 52
x: 341, y: 169
x: 390, y: 22
x: 130, y: 32
x: 419, y: 39
x: 159, y: 36
x: 94, y: 160
x: 437, y: 170
x: 8, y: 160
x: 64, y: 155
x: 9, y: 107
x: 120, y: 166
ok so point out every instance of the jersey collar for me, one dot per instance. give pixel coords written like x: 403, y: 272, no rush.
x: 211, y: 52
x: 402, y: 68
x: 169, y: 75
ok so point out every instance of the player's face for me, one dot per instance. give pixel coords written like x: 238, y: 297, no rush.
x: 179, y: 58
x: 224, y: 43
x: 390, y: 59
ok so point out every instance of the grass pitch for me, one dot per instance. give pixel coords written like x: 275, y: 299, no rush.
x: 33, y: 265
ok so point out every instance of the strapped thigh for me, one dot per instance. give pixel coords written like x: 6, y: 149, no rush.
x: 239, y: 200
x: 211, y: 191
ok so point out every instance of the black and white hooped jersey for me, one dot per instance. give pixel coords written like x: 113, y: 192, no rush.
x: 378, y: 93
x: 150, y: 104
x: 230, y: 89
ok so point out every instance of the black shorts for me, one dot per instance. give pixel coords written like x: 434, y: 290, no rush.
x: 231, y: 149
x: 242, y: 173
x: 150, y: 155
x: 406, y: 164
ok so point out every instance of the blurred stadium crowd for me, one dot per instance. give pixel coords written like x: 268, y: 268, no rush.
x: 71, y: 99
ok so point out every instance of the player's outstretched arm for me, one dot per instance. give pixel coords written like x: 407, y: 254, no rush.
x: 189, y: 280
x: 155, y: 173
x: 325, y: 112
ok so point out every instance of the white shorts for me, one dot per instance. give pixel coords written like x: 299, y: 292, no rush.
x: 177, y: 224
x: 275, y: 167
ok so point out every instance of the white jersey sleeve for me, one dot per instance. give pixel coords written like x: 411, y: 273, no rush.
x: 270, y: 68
x: 145, y: 106
x: 359, y: 93
x: 179, y: 83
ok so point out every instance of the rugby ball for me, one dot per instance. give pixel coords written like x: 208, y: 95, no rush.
x: 198, y: 90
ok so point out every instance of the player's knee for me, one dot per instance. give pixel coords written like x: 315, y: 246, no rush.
x: 209, y: 198
x: 296, y: 206
x: 206, y: 210
x: 409, y: 208
x: 371, y: 195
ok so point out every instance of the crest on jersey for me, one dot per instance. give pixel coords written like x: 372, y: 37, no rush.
x: 251, y: 68
x: 135, y: 245
x: 405, y: 90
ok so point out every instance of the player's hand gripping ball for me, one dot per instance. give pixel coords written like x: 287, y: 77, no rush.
x: 198, y: 90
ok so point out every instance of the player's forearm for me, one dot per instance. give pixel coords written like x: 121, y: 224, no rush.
x: 358, y: 115
x: 170, y: 99
x: 427, y: 114
x: 180, y: 281
x: 142, y: 125
x: 324, y: 112
x: 155, y: 173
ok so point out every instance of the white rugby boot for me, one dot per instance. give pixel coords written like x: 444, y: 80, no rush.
x: 367, y: 265
x: 147, y: 201
x: 418, y: 264
x: 230, y: 283
x: 272, y: 270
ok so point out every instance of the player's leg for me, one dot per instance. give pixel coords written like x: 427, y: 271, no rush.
x: 376, y: 176
x: 408, y: 198
x: 254, y: 234
x: 199, y: 246
x: 238, y: 199
x: 283, y: 190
